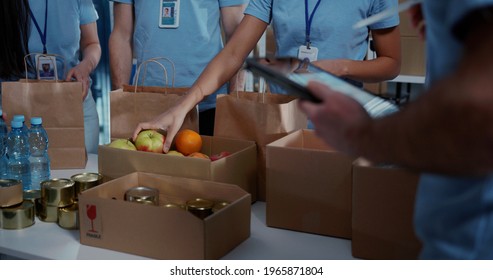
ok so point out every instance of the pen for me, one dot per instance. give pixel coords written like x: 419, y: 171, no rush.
x: 386, y: 13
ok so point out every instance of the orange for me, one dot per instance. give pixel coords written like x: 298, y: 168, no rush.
x: 188, y: 141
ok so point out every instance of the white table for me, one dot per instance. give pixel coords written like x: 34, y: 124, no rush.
x: 49, y: 241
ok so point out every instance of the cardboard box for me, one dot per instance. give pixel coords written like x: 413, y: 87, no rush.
x: 383, y: 205
x: 308, y: 186
x: 413, y: 56
x: 405, y: 27
x: 239, y: 168
x: 160, y: 232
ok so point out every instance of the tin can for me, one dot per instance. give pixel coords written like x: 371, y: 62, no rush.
x: 145, y: 195
x: 200, y: 207
x: 174, y: 205
x: 46, y: 213
x: 17, y: 217
x: 85, y: 181
x: 10, y: 192
x: 32, y: 195
x: 219, y: 205
x: 68, y: 217
x: 58, y: 192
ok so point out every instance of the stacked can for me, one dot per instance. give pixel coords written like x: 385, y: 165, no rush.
x: 15, y: 212
x: 59, y: 199
x: 56, y: 195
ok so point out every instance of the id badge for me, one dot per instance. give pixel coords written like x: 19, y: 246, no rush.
x: 46, y: 67
x: 310, y: 53
x: 169, y: 14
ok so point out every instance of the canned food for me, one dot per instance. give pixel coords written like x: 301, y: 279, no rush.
x: 10, y: 192
x: 200, y: 207
x: 142, y: 194
x: 17, y: 217
x: 85, y: 181
x: 219, y: 205
x: 46, y: 213
x: 31, y: 195
x: 58, y: 192
x: 68, y: 217
x: 174, y: 205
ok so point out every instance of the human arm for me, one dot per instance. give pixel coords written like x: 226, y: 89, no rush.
x: 231, y: 18
x: 385, y: 66
x: 217, y: 72
x: 120, y: 44
x: 91, y: 53
x: 449, y: 129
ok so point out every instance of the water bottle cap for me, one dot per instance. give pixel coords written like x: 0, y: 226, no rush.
x: 36, y: 120
x: 16, y: 124
x: 19, y: 118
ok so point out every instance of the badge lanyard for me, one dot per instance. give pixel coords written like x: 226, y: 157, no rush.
x: 307, y: 51
x: 308, y: 22
x: 41, y: 34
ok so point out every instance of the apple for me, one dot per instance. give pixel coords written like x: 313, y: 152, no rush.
x: 220, y: 155
x: 174, y: 153
x: 150, y: 141
x: 198, y: 155
x: 123, y: 144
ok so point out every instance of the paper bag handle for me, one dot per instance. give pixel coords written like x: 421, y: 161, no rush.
x: 262, y: 89
x: 37, y: 62
x: 155, y: 60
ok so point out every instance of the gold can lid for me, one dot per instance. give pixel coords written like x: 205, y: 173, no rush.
x: 141, y: 194
x: 199, y: 204
x: 31, y: 195
x: 68, y: 217
x: 17, y: 217
x: 58, y: 192
x: 174, y: 205
x: 85, y: 181
x: 10, y: 192
x: 219, y: 205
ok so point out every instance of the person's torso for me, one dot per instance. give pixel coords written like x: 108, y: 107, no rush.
x: 190, y: 46
x: 62, y: 28
x: 331, y: 29
x: 453, y: 215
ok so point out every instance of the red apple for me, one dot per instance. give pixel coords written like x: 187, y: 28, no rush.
x: 150, y: 141
x: 122, y: 144
x: 220, y: 155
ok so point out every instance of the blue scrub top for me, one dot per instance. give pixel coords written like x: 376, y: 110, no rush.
x: 63, y: 36
x: 191, y: 46
x: 453, y: 215
x: 332, y: 26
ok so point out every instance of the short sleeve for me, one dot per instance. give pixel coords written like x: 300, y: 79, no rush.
x: 379, y: 6
x: 88, y: 12
x: 261, y: 9
x: 229, y: 3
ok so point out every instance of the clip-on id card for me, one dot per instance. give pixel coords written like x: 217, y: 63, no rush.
x: 169, y: 14
x: 46, y: 67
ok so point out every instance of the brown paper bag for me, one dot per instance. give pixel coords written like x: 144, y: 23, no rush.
x: 131, y: 105
x: 258, y: 117
x: 60, y: 105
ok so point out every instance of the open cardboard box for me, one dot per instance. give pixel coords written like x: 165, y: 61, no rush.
x: 308, y: 186
x: 239, y: 168
x: 383, y: 208
x: 108, y: 221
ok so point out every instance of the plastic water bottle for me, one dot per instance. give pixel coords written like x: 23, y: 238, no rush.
x: 39, y: 160
x: 3, y: 147
x: 21, y: 118
x: 18, y: 155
